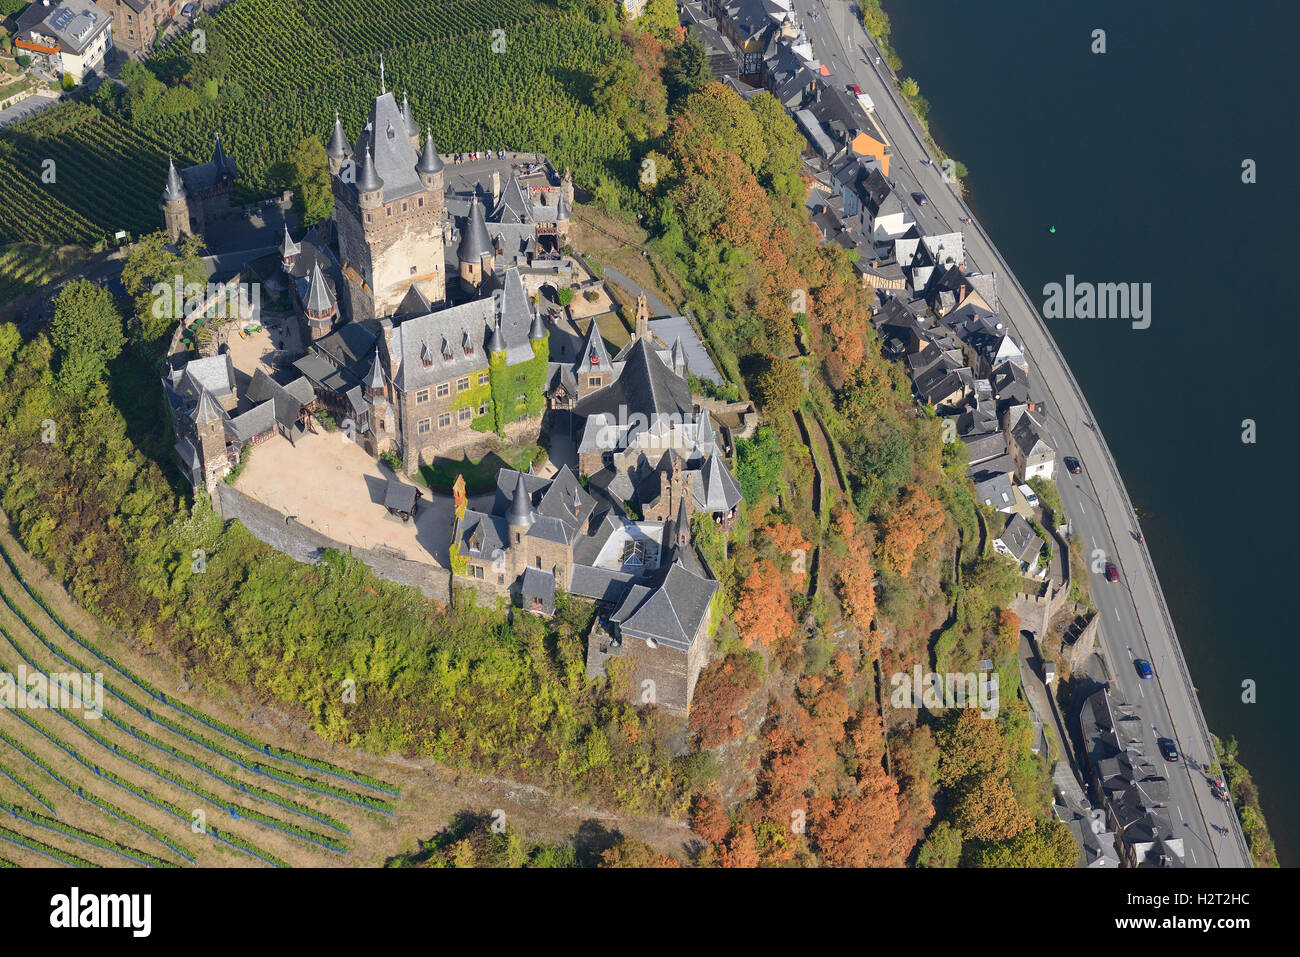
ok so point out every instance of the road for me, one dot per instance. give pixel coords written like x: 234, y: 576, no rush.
x: 1135, y: 620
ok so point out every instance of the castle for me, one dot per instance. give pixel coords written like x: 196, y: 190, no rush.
x: 421, y: 337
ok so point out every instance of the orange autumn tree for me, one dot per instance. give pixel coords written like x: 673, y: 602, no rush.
x: 857, y: 597
x: 795, y: 549
x: 763, y: 615
x: 1007, y: 629
x: 916, y: 520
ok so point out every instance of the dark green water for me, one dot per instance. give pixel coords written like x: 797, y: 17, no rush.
x: 1135, y: 156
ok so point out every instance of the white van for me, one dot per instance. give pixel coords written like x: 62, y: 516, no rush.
x: 1029, y: 495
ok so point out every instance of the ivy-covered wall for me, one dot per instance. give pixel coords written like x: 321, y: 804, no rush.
x: 508, y: 383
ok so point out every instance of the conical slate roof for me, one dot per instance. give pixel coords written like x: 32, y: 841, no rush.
x: 475, y: 242
x: 412, y: 128
x: 521, y: 506
x: 538, y: 328
x: 338, y: 147
x: 220, y: 160
x: 175, y: 188
x: 496, y: 342
x: 319, y: 299
x: 367, y: 179
x: 288, y: 248
x: 375, y: 380
x: 704, y: 433
x: 430, y: 161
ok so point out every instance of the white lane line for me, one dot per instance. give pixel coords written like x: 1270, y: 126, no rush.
x: 1180, y: 814
x: 1082, y: 510
x: 1115, y: 609
x: 1094, y: 540
x: 1141, y: 690
x: 1193, y: 850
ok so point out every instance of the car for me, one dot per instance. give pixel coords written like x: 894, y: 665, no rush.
x: 1143, y: 667
x: 1112, y: 573
x: 1073, y: 465
x: 189, y: 10
x: 1030, y: 498
x: 920, y: 198
x: 1168, y: 750
x: 855, y: 89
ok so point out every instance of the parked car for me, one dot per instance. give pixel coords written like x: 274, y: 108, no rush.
x: 190, y: 10
x: 1073, y: 465
x: 920, y: 198
x: 1112, y: 573
x: 1029, y: 495
x: 1143, y: 667
x: 1168, y: 750
x: 855, y: 89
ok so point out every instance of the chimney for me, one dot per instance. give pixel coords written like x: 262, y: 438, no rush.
x: 496, y: 187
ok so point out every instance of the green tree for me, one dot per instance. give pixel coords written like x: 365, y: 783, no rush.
x: 759, y: 463
x: 1046, y: 844
x: 783, y: 145
x: 68, y: 81
x: 910, y: 87
x: 87, y: 332
x: 310, y: 180
x: 686, y: 68
x: 153, y: 261
x: 942, y: 848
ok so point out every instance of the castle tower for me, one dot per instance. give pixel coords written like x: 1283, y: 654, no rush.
x: 475, y: 253
x: 210, y: 430
x: 593, y: 370
x: 389, y: 214
x: 682, y: 531
x: 430, y: 166
x: 319, y: 308
x: 679, y: 359
x: 175, y: 205
x: 339, y: 149
x: 289, y: 251
x: 520, y: 519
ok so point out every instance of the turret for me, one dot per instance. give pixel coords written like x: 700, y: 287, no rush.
x: 223, y: 164
x: 537, y: 330
x: 430, y: 165
x: 319, y: 305
x: 338, y: 149
x: 496, y: 341
x: 477, y: 258
x: 289, y: 251
x: 175, y: 204
x: 369, y: 185
x: 520, y: 515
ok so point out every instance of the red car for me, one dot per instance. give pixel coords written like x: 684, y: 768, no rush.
x: 855, y: 89
x: 1112, y: 573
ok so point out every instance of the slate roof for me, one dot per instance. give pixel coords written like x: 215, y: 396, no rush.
x: 475, y: 243
x: 287, y: 401
x: 477, y: 320
x: 175, y: 189
x: 204, y: 176
x: 670, y: 610
x: 996, y: 491
x: 399, y: 496
x: 1020, y: 539
x: 713, y: 487
x: 540, y: 585
x: 394, y: 158
x: 645, y: 385
x: 1027, y: 435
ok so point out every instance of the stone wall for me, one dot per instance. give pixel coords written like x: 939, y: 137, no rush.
x: 304, y: 544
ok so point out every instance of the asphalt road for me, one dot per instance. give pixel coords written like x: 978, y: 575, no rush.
x: 1135, y: 620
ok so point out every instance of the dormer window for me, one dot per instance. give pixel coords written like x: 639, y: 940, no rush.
x: 391, y: 132
x: 446, y: 350
x: 426, y: 357
x: 467, y: 344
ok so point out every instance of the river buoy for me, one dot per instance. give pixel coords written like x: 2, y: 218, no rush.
x: 1051, y: 229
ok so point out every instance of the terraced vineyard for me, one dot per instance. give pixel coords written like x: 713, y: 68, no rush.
x: 153, y: 781
x: 105, y: 177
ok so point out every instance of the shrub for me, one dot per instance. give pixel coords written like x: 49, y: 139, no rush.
x: 68, y: 82
x: 564, y: 297
x: 591, y: 295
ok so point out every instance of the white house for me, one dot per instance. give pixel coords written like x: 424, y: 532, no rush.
x: 67, y: 36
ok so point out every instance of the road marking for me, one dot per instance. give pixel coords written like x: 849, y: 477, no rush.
x: 1082, y: 510
x: 1180, y: 813
x: 1115, y: 609
x: 1094, y: 541
x: 1193, y: 850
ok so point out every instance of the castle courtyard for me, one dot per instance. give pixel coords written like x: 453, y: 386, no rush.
x: 330, y: 484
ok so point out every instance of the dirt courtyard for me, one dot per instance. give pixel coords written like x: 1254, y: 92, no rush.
x: 330, y: 484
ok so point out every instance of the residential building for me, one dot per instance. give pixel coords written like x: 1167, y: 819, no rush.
x: 136, y: 22
x: 69, y: 37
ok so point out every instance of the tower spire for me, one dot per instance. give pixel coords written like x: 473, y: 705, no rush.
x: 382, y: 87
